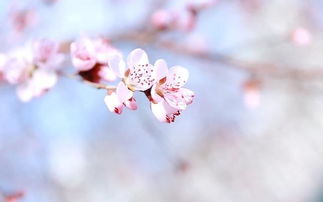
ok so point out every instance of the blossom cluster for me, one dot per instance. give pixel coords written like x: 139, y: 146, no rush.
x: 97, y: 60
x: 35, y: 68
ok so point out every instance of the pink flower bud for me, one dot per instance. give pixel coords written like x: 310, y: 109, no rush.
x: 22, y: 19
x: 185, y: 20
x: 162, y: 19
x: 83, y: 54
x: 90, y: 57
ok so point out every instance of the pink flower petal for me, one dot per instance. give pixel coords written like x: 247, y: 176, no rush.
x: 180, y: 98
x: 25, y: 92
x: 185, y: 20
x: 137, y: 57
x: 83, y: 54
x: 46, y: 54
x: 44, y: 49
x: 43, y: 80
x: 161, y: 69
x: 131, y: 104
x: 123, y: 92
x: 40, y: 82
x: 112, y: 102
x: 107, y: 74
x: 18, y: 66
x: 163, y: 112
x: 162, y: 19
x: 117, y: 64
x: 177, y: 77
x: 103, y: 50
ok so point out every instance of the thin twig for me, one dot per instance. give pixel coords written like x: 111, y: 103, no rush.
x: 89, y: 83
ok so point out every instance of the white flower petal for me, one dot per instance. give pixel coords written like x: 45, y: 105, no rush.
x: 123, y: 92
x: 163, y: 112
x: 117, y: 64
x: 25, y: 92
x: 113, y: 104
x: 141, y: 77
x: 161, y: 69
x: 136, y: 57
x: 107, y: 74
x: 177, y: 77
x: 180, y: 98
x: 43, y: 80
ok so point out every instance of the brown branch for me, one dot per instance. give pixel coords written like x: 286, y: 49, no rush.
x: 89, y: 83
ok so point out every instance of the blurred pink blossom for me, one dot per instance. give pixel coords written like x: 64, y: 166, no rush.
x: 22, y: 19
x: 33, y: 68
x: 185, y: 20
x: 163, y: 19
x: 301, y: 36
x: 46, y: 54
x: 90, y: 57
x: 180, y: 19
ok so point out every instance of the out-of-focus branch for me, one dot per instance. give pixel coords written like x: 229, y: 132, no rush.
x: 256, y: 68
x: 263, y: 69
x: 89, y: 83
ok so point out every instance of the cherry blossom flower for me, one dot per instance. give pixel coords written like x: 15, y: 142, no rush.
x: 168, y: 96
x: 46, y: 54
x: 90, y: 57
x: 138, y: 74
x: 33, y: 68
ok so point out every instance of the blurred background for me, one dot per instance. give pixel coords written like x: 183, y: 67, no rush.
x: 253, y: 134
